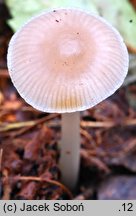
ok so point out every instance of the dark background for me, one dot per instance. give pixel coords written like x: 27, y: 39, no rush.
x: 29, y: 150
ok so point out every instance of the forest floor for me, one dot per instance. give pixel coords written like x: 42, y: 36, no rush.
x: 29, y: 143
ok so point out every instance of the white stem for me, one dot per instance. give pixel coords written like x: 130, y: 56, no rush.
x: 70, y: 149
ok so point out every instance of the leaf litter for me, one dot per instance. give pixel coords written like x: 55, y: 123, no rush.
x: 29, y: 144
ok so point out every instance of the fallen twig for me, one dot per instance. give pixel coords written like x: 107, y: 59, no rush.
x: 11, y: 126
x: 85, y: 134
x: 1, y: 154
x: 94, y: 161
x: 28, y: 124
x: 32, y: 178
x: 93, y: 124
x: 108, y: 124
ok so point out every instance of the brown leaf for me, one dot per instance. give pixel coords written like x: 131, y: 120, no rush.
x: 28, y: 191
x: 133, y: 2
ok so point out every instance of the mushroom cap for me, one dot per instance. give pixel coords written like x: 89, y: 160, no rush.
x: 67, y: 60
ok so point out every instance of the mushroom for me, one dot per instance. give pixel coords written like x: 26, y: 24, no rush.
x: 66, y: 61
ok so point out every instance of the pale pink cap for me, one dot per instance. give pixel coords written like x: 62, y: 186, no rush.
x: 67, y: 60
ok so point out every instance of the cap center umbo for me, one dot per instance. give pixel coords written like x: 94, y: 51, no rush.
x: 69, y: 48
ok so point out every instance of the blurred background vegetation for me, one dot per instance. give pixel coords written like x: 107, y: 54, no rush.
x: 29, y: 139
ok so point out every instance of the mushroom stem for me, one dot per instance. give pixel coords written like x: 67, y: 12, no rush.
x: 70, y: 149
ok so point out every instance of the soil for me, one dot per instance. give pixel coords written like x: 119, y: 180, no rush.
x: 29, y: 144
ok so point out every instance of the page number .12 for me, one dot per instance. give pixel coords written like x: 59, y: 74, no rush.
x: 127, y: 206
